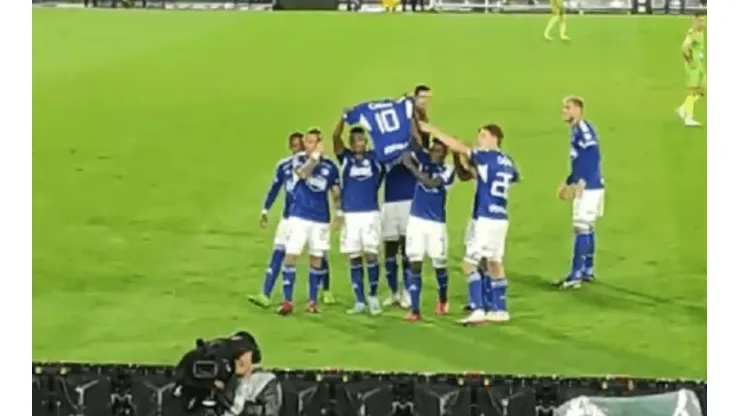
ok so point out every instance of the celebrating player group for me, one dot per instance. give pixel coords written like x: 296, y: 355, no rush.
x: 408, y: 160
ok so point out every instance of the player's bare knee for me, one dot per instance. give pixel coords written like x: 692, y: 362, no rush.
x: 315, y: 261
x: 289, y: 260
x: 391, y: 249
x: 371, y: 258
x: 355, y: 260
x: 496, y: 269
x: 581, y: 226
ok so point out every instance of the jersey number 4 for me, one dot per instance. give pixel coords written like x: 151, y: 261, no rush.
x: 500, y: 185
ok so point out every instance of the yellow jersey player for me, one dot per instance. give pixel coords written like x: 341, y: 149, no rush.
x: 558, y: 16
x: 694, y: 50
x: 390, y: 5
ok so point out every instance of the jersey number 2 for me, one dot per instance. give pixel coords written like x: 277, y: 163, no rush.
x: 500, y: 186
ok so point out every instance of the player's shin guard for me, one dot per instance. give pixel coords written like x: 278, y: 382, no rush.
x: 373, y: 277
x: 358, y: 282
x: 288, y: 282
x: 499, y: 287
x: 273, y: 270
x: 326, y: 278
x: 588, y: 264
x: 414, y: 289
x: 391, y: 274
x: 406, y: 272
x: 487, y: 293
x: 315, y: 278
x: 580, y: 247
x: 442, y: 281
x: 475, y: 290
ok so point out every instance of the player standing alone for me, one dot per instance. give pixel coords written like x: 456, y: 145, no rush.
x: 585, y: 186
x: 693, y: 49
x: 558, y: 16
x: 495, y: 173
x: 361, y: 178
x: 309, y: 220
x: 426, y: 234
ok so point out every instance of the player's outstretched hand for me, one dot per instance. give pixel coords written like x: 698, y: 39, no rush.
x: 425, y: 127
x: 263, y: 220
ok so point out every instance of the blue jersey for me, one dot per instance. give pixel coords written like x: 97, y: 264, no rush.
x: 430, y: 203
x: 310, y: 195
x: 388, y: 122
x: 496, y: 172
x: 361, y: 179
x: 399, y: 182
x: 585, y: 157
x: 283, y: 178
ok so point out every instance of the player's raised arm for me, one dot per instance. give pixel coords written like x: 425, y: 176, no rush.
x: 336, y: 136
x: 452, y: 143
x: 463, y: 170
x: 427, y: 181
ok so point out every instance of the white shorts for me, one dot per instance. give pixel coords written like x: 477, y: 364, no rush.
x: 489, y: 240
x: 281, y: 234
x: 303, y: 232
x: 360, y: 233
x: 589, y: 206
x: 426, y: 237
x: 395, y: 219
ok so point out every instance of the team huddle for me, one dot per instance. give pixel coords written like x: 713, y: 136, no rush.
x: 407, y: 160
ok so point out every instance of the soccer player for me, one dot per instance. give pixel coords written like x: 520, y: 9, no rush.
x: 585, y: 187
x: 464, y: 173
x: 390, y: 125
x: 309, y: 219
x: 495, y: 172
x: 693, y: 49
x: 361, y: 178
x: 558, y: 16
x: 426, y: 233
x: 284, y: 178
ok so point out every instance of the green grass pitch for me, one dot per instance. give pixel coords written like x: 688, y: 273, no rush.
x: 156, y: 135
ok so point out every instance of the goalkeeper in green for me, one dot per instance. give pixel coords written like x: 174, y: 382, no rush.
x: 558, y: 16
x: 694, y: 50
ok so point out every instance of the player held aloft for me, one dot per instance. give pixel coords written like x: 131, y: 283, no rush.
x: 495, y: 172
x: 361, y: 177
x: 426, y: 233
x: 309, y: 222
x: 693, y: 50
x: 584, y: 186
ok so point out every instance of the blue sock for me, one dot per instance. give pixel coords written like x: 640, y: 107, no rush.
x: 475, y: 290
x: 358, y: 282
x: 406, y: 272
x: 588, y: 266
x: 288, y: 282
x: 373, y: 276
x: 442, y: 280
x: 414, y: 289
x: 391, y: 274
x: 580, y: 245
x: 273, y: 270
x: 487, y: 293
x: 315, y: 277
x: 499, y: 286
x: 326, y: 280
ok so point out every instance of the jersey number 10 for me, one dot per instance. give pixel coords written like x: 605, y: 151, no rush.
x: 385, y: 117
